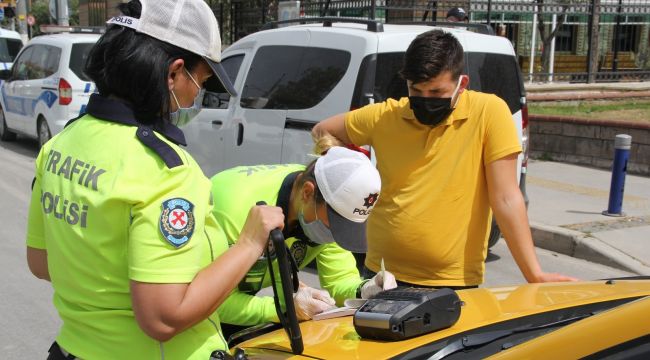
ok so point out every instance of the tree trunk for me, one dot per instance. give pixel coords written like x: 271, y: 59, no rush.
x: 546, y: 55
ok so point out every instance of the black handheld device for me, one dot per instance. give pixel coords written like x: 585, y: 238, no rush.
x: 404, y: 312
x: 289, y: 285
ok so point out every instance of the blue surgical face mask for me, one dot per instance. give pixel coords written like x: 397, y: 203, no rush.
x: 182, y: 115
x: 316, y: 231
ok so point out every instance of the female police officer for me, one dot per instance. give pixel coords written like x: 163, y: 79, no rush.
x: 326, y: 205
x: 120, y: 216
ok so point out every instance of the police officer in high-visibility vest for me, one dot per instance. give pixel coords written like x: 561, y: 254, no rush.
x: 120, y: 217
x: 326, y: 205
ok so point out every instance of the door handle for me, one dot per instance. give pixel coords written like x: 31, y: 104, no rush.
x: 217, y: 122
x: 240, y: 134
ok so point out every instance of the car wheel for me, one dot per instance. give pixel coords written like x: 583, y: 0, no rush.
x: 495, y: 234
x: 44, y: 133
x: 5, y: 133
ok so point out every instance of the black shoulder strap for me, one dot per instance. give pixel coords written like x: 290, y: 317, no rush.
x: 164, y: 150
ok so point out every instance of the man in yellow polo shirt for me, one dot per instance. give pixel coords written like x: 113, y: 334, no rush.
x: 446, y: 156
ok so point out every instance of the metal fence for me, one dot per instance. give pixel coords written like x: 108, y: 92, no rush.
x: 555, y: 40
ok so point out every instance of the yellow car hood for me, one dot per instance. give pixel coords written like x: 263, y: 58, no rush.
x: 337, y: 338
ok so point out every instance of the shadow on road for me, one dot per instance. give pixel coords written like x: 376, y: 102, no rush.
x: 22, y: 146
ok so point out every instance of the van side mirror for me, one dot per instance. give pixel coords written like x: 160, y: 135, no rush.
x: 216, y: 100
x: 5, y: 74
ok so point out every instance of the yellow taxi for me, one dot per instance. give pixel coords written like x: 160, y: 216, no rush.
x: 608, y: 319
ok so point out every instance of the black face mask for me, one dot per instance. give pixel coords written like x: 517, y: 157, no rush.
x: 430, y: 110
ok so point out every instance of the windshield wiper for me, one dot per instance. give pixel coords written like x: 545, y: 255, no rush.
x: 481, y: 339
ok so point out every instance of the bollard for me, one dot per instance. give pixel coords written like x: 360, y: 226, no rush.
x: 622, y: 146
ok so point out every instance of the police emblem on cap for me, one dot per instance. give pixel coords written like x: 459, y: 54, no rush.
x: 370, y: 200
x: 177, y: 221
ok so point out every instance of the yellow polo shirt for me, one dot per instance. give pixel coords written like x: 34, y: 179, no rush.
x: 432, y: 221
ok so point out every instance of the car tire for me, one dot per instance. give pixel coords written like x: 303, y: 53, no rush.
x: 495, y: 234
x: 44, y: 133
x: 5, y: 133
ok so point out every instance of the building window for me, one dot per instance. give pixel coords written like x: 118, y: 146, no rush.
x: 628, y: 38
x: 565, y: 38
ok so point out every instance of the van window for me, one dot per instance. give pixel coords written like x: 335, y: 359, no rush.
x: 388, y: 81
x: 292, y: 77
x: 43, y: 62
x: 78, y: 56
x: 216, y: 96
x: 383, y: 69
x: 20, y: 67
x: 9, y: 49
x: 496, y: 74
x: 490, y: 73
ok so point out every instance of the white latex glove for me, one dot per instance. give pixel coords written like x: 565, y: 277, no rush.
x: 309, y: 302
x: 384, y: 280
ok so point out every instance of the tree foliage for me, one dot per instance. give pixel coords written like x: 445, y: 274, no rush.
x: 546, y: 32
x: 41, y: 11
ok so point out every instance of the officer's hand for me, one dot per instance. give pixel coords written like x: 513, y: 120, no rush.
x: 259, y: 223
x: 384, y: 280
x: 309, y: 302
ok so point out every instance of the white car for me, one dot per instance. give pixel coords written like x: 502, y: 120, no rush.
x: 290, y: 78
x: 10, y: 45
x: 46, y: 86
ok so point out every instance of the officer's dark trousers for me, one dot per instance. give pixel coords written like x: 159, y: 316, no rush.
x: 57, y: 354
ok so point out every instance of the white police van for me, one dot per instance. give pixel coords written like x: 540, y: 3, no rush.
x: 10, y: 45
x: 46, y: 86
x: 291, y: 77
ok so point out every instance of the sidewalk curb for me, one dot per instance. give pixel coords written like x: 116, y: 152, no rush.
x: 583, y: 246
x: 559, y: 87
x: 584, y: 95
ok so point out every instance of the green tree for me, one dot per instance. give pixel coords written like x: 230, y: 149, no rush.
x: 41, y: 11
x: 73, y: 12
x: 546, y: 34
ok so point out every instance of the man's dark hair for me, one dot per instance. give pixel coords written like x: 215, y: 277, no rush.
x: 430, y: 54
x: 134, y: 67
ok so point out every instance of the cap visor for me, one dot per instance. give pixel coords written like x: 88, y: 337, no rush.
x: 348, y: 234
x: 223, y: 77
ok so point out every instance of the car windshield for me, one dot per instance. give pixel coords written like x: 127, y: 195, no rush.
x: 78, y: 57
x: 488, y: 340
x: 9, y: 48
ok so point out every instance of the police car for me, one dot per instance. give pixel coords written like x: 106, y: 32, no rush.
x: 10, y: 45
x: 46, y: 86
x: 290, y: 78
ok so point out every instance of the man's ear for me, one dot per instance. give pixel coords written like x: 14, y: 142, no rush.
x: 464, y: 83
x: 174, y: 69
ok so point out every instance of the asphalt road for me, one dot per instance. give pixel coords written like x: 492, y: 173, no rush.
x: 28, y: 321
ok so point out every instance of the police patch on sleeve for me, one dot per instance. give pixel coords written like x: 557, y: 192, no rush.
x: 177, y: 221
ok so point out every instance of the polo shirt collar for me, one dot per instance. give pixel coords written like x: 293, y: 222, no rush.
x: 118, y: 111
x: 461, y: 111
